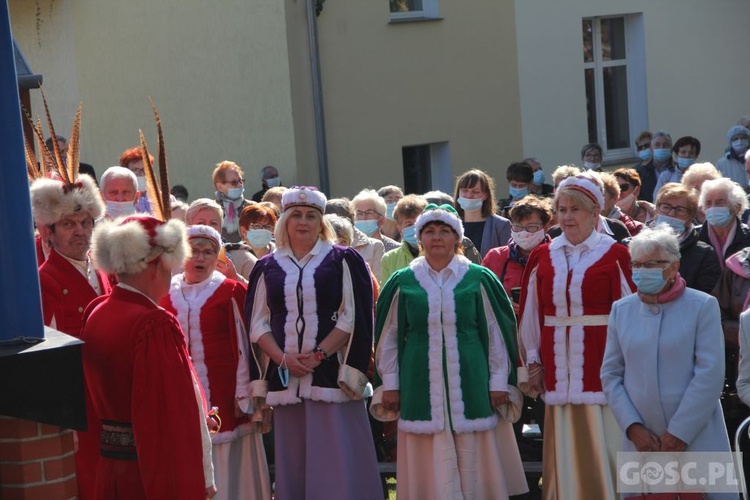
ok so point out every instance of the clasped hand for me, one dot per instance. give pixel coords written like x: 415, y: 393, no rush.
x: 645, y: 440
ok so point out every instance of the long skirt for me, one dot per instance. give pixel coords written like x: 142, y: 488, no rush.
x: 240, y: 469
x: 325, y: 451
x: 580, y: 452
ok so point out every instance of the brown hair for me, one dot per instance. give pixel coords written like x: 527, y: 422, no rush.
x: 472, y: 178
x: 219, y: 174
x: 529, y: 205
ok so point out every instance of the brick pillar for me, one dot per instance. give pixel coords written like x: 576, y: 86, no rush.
x: 36, y: 461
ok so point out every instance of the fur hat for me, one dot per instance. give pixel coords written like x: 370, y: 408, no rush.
x: 128, y: 245
x: 587, y: 184
x: 207, y: 232
x: 443, y: 213
x: 304, y: 196
x: 51, y: 199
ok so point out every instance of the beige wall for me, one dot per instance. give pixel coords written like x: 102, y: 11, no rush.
x: 696, y: 67
x: 218, y: 72
x: 392, y: 85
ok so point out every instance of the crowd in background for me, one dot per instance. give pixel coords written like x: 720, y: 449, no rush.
x: 434, y: 306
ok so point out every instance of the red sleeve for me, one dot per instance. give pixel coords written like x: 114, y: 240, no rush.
x: 166, y: 416
x: 51, y: 302
x: 623, y: 260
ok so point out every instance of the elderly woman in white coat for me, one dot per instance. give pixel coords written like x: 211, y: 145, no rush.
x: 663, y: 366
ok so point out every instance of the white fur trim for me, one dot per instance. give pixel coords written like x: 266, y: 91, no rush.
x: 569, y: 346
x: 207, y: 232
x: 125, y: 247
x: 188, y: 301
x: 442, y: 215
x: 259, y: 389
x: 50, y: 202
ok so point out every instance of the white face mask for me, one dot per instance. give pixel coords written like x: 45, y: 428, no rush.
x: 273, y: 182
x: 141, y: 184
x: 626, y: 204
x: 119, y: 208
x: 528, y: 241
x: 591, y: 166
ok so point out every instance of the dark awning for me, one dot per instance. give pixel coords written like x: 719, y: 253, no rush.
x: 27, y: 79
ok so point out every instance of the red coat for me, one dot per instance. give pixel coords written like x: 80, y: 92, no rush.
x: 572, y: 354
x: 39, y: 251
x: 509, y: 273
x: 66, y: 293
x: 211, y: 338
x: 138, y: 372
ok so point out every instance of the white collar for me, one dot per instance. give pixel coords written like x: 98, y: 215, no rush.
x: 316, y: 249
x: 590, y: 242
x: 135, y: 290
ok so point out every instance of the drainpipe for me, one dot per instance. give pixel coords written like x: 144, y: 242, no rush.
x: 317, y: 88
x: 20, y: 300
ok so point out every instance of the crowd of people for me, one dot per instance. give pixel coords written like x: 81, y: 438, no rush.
x: 614, y: 302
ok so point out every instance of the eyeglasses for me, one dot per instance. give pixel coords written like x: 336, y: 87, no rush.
x: 267, y: 227
x: 139, y: 172
x: 531, y: 228
x: 666, y: 209
x: 235, y: 183
x: 649, y: 264
x: 368, y: 215
x: 625, y: 187
x: 641, y: 147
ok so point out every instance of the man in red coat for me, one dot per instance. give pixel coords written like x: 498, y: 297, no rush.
x: 154, y: 442
x: 64, y: 215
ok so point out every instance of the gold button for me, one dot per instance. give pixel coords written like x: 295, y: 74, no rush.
x: 65, y: 291
x: 80, y: 309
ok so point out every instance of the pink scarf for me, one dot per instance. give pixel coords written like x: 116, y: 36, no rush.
x: 674, y: 292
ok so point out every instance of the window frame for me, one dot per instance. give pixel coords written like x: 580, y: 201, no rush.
x: 634, y: 62
x: 429, y: 10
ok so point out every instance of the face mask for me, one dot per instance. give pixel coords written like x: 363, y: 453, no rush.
x: 410, y: 236
x: 626, y: 204
x: 684, y: 163
x: 141, y: 184
x: 649, y: 281
x: 591, y: 166
x: 118, y: 208
x: 527, y: 240
x: 258, y: 238
x: 518, y: 193
x: 367, y: 226
x: 740, y: 146
x: 677, y: 225
x: 645, y: 154
x: 662, y: 154
x: 469, y: 204
x: 273, y: 182
x: 235, y: 193
x: 539, y: 177
x: 718, y: 216
x: 389, y: 208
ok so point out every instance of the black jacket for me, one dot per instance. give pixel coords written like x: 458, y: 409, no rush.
x: 740, y: 241
x: 699, y: 265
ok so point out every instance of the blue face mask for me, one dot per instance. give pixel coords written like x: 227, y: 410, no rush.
x: 539, y: 177
x: 258, y: 238
x: 518, y: 193
x: 684, y: 163
x: 367, y: 226
x: 645, y: 154
x: 649, y: 281
x: 410, y: 236
x: 718, y: 216
x: 469, y: 204
x: 662, y: 154
x: 235, y: 193
x: 389, y: 208
x: 740, y: 146
x: 677, y: 225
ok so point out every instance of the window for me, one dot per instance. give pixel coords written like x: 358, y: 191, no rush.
x: 427, y: 167
x: 615, y: 81
x: 413, y: 9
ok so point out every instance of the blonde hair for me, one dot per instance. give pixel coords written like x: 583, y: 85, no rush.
x: 563, y: 172
x: 698, y: 173
x: 202, y: 204
x: 611, y: 186
x: 677, y: 190
x: 578, y: 198
x: 327, y: 233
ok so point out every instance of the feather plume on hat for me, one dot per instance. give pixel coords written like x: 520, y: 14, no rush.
x: 157, y: 189
x: 57, y: 190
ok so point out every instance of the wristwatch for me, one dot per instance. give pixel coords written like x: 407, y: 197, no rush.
x: 320, y: 354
